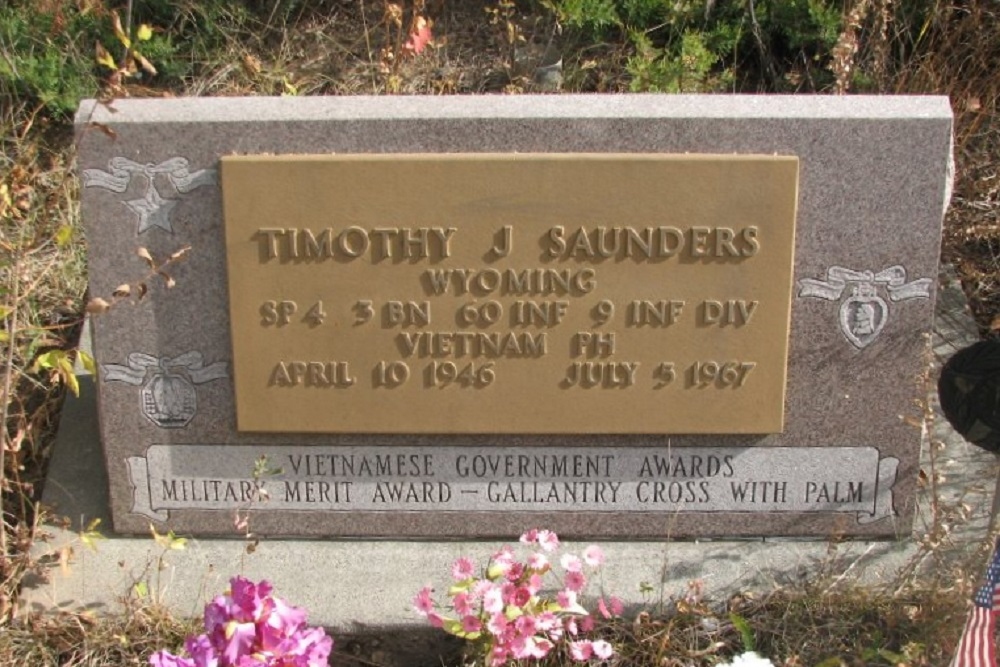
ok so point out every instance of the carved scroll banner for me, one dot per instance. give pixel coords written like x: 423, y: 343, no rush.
x: 851, y: 480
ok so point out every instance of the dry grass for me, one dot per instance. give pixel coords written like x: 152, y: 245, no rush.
x: 958, y: 54
x: 89, y: 641
x: 42, y: 280
x: 343, y: 48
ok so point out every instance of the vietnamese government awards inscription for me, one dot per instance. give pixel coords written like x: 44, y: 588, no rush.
x: 576, y: 293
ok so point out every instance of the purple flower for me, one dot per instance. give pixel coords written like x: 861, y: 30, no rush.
x: 239, y: 641
x: 166, y: 659
x: 248, y: 627
x: 201, y: 651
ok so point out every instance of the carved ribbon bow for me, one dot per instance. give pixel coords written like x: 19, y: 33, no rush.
x: 837, y: 277
x: 121, y: 170
x: 138, y: 364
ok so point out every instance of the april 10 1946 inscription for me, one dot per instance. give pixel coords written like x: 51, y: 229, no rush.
x: 510, y: 293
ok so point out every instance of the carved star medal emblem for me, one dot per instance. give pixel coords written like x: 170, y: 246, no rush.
x: 153, y: 211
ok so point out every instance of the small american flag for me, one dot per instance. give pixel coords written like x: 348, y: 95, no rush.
x: 977, y: 647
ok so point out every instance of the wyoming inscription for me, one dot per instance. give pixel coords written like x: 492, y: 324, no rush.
x: 510, y: 293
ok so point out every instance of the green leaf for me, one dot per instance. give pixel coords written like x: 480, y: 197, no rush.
x: 104, y: 58
x: 64, y: 235
x: 460, y: 587
x: 68, y: 375
x: 831, y: 662
x: 87, y: 361
x: 5, y: 310
x: 452, y: 627
x: 891, y: 657
x: 48, y: 360
x: 141, y: 589
x: 90, y: 535
x: 746, y: 632
x: 168, y: 540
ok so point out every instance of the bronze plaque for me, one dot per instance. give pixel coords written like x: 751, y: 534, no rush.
x: 499, y: 293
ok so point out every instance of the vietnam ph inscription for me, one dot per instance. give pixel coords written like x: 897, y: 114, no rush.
x: 510, y: 293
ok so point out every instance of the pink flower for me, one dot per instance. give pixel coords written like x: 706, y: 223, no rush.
x: 571, y: 563
x: 521, y: 597
x: 548, y: 540
x: 462, y: 569
x: 471, y: 624
x: 420, y: 36
x: 550, y: 624
x: 493, y: 600
x: 530, y: 647
x: 423, y: 602
x: 499, y: 655
x: 538, y: 561
x: 525, y: 624
x: 462, y: 604
x: 515, y: 571
x: 502, y: 611
x: 615, y: 609
x: 503, y: 560
x: 593, y: 556
x: 543, y: 646
x: 497, y: 625
x: 602, y: 649
x: 481, y: 588
x: 566, y: 599
x: 581, y: 650
x: 575, y: 581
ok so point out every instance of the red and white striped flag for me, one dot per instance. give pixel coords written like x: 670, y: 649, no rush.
x: 977, y: 647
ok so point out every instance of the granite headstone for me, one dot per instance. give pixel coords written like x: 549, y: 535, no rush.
x: 613, y: 316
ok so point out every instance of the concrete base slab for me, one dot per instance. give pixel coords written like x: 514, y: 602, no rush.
x: 362, y: 589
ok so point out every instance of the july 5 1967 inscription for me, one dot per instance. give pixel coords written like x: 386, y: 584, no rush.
x: 493, y: 293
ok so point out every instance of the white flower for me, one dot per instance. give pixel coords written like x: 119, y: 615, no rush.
x: 749, y: 659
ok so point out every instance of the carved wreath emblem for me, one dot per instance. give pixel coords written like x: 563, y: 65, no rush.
x: 864, y: 313
x: 168, y: 397
x: 152, y: 210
